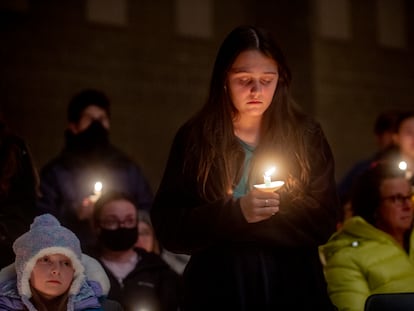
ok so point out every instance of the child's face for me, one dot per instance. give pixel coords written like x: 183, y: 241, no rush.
x: 52, y: 275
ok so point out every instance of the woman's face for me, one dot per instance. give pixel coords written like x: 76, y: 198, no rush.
x: 252, y: 82
x: 52, y: 275
x: 395, y: 214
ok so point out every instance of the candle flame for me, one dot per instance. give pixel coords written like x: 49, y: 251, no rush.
x: 402, y: 165
x: 98, y: 187
x: 270, y: 171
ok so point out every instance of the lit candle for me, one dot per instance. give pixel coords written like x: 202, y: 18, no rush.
x: 269, y: 185
x: 402, y: 165
x: 267, y: 176
x: 98, y: 188
x: 97, y: 191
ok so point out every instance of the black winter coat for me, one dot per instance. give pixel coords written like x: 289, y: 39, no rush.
x: 152, y: 285
x: 269, y: 265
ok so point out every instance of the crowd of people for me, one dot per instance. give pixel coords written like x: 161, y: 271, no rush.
x: 87, y: 232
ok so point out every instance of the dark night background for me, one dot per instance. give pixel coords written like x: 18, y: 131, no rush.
x: 350, y: 60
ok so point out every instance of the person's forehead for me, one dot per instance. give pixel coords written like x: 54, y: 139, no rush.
x: 409, y: 122
x: 118, y: 208
x: 397, y: 184
x: 94, y: 110
x: 253, y: 60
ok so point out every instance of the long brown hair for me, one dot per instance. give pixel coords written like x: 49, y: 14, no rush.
x: 212, y: 140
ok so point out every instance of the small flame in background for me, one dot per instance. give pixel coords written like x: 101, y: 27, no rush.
x: 98, y: 187
x: 402, y: 165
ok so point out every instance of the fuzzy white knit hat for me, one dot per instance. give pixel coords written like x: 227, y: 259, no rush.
x: 46, y: 237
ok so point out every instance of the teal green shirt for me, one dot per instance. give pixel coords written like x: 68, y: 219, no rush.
x: 242, y: 188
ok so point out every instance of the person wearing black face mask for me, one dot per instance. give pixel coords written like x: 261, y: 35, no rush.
x: 138, y: 278
x: 67, y: 181
x: 91, y: 141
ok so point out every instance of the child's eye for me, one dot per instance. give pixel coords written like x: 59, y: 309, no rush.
x: 266, y: 81
x: 67, y: 263
x: 44, y: 260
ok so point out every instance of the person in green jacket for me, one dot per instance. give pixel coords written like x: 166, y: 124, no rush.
x: 373, y: 252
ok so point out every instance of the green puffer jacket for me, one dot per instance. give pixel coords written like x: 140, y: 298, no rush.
x: 361, y: 260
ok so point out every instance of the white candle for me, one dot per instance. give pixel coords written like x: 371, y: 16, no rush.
x: 267, y: 176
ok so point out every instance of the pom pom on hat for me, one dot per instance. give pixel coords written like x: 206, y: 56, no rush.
x: 46, y: 237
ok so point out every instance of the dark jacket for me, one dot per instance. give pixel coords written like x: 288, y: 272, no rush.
x: 269, y: 265
x: 152, y: 284
x: 68, y: 179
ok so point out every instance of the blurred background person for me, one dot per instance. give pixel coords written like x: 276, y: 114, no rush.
x: 373, y: 252
x: 384, y: 128
x: 404, y: 141
x: 139, y: 279
x: 148, y: 241
x: 399, y: 154
x: 146, y: 235
x: 18, y: 191
x: 67, y: 181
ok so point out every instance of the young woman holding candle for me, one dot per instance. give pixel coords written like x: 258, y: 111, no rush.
x: 250, y: 249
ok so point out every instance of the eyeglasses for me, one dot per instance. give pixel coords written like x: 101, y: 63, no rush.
x: 399, y: 198
x: 113, y: 224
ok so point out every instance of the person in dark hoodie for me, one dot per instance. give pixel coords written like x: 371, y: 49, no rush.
x: 139, y: 279
x: 67, y: 181
x: 18, y: 191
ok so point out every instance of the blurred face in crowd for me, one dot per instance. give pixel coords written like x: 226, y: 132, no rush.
x: 146, y: 239
x: 52, y: 275
x: 252, y: 82
x: 405, y: 138
x: 385, y: 139
x: 395, y: 214
x: 90, y: 114
x: 117, y: 227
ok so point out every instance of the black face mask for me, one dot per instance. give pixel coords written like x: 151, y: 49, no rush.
x: 94, y: 137
x: 120, y: 239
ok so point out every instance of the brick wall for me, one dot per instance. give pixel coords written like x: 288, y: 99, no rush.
x: 156, y: 79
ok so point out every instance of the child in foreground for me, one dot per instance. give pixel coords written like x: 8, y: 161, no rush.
x: 51, y: 273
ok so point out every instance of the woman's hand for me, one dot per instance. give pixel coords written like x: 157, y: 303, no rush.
x: 259, y: 205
